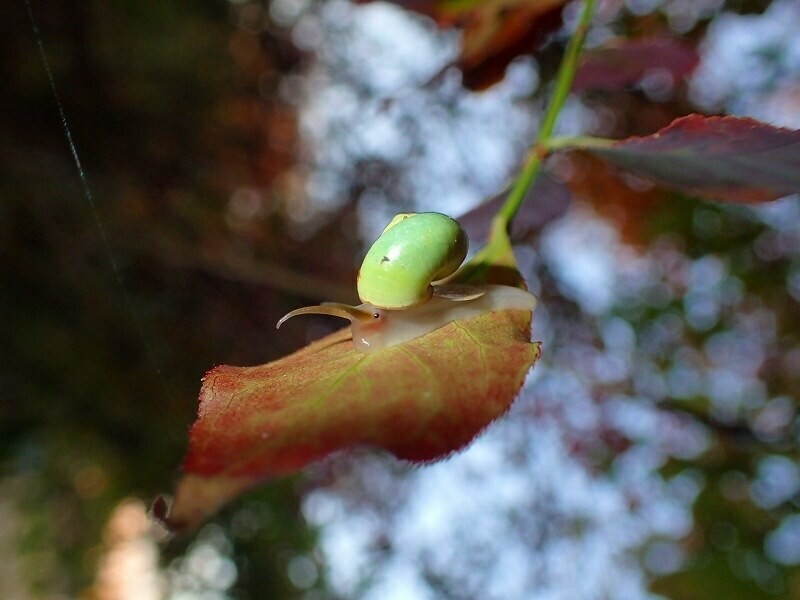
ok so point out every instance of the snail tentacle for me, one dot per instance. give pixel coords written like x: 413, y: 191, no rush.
x: 345, y: 311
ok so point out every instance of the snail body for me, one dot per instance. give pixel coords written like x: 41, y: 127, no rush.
x: 403, y: 285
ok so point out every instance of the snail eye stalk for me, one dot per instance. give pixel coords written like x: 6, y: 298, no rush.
x: 354, y: 314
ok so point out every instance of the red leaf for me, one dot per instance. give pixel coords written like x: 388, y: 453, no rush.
x: 494, y: 33
x: 625, y: 62
x: 546, y: 201
x: 723, y: 158
x: 420, y: 400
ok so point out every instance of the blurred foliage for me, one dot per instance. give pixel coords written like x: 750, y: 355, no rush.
x: 188, y: 123
x: 176, y: 132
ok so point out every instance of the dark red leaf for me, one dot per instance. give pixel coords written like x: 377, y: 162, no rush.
x: 494, y: 33
x: 723, y: 158
x: 546, y: 201
x: 625, y: 62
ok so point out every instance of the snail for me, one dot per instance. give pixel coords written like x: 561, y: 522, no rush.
x: 403, y: 285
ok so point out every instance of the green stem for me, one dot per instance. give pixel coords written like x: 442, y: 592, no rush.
x: 496, y: 256
x: 566, y: 73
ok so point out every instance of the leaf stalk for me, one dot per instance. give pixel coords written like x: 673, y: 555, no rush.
x: 542, y: 146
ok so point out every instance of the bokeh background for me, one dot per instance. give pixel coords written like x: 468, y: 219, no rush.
x: 240, y: 156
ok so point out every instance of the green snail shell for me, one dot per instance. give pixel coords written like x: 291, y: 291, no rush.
x: 415, y: 250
